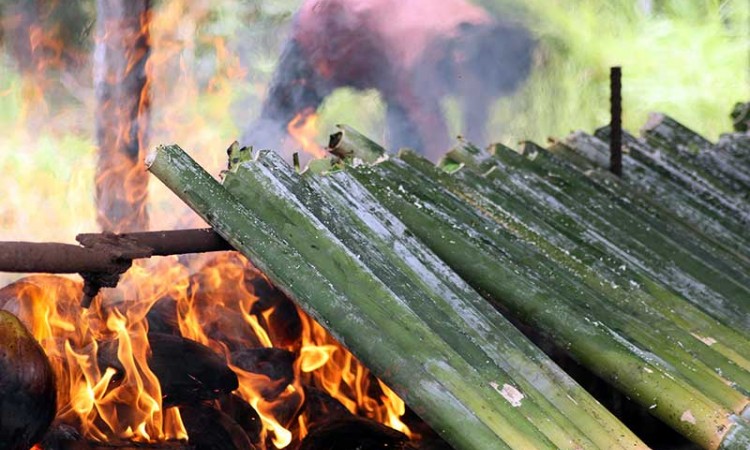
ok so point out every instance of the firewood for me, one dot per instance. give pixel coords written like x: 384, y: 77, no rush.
x: 284, y: 324
x: 27, y: 386
x: 229, y: 327
x: 321, y: 407
x: 59, y: 436
x: 122, y: 49
x: 245, y: 415
x: 187, y: 371
x: 162, y: 317
x: 354, y: 433
x: 81, y: 444
x: 211, y: 429
x: 275, y: 363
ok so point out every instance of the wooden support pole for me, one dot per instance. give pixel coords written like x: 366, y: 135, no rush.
x: 615, y: 138
x: 122, y: 113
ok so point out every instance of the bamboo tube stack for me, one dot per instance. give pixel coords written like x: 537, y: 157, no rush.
x: 414, y: 267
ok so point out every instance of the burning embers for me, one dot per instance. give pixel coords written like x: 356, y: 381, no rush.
x: 218, y: 357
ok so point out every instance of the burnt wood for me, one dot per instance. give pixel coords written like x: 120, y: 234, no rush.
x: 245, y: 415
x: 211, y: 429
x: 187, y: 370
x: 105, y: 252
x: 355, y: 433
x: 275, y: 363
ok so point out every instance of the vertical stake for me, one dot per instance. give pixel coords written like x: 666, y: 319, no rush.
x: 615, y: 135
x: 295, y: 161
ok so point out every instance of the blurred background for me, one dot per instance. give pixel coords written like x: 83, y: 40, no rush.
x: 211, y: 61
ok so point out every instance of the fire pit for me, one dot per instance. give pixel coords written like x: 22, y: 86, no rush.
x: 216, y: 354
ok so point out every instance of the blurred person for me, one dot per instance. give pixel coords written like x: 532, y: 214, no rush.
x: 414, y: 52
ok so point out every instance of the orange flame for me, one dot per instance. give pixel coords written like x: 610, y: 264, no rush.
x: 340, y: 374
x: 304, y: 129
x: 129, y: 408
x: 214, y: 307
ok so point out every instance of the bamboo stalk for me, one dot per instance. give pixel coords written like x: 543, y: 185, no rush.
x: 318, y: 245
x: 397, y: 346
x: 618, y: 306
x: 645, y: 172
x: 448, y: 305
x: 652, y: 250
x: 694, y: 152
x: 725, y: 213
x: 418, y: 203
x: 348, y: 143
x: 566, y: 242
x: 645, y: 213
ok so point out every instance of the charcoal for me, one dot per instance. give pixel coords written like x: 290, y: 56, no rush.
x: 229, y: 327
x: 187, y: 371
x: 285, y: 324
x: 211, y: 429
x: 162, y: 317
x: 321, y: 407
x: 275, y: 363
x: 245, y: 415
x: 59, y: 436
x: 355, y: 433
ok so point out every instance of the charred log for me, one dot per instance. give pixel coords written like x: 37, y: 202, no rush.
x: 87, y: 445
x: 187, y: 371
x: 284, y: 323
x: 321, y: 407
x: 27, y: 386
x: 211, y: 429
x: 275, y: 363
x: 229, y: 327
x: 245, y: 415
x: 18, y: 297
x: 162, y: 317
x: 355, y: 433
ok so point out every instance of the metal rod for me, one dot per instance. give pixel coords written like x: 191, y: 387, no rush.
x: 615, y: 136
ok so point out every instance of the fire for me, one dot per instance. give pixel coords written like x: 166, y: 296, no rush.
x: 321, y: 360
x: 217, y: 306
x: 338, y: 372
x: 304, y: 128
x: 127, y: 408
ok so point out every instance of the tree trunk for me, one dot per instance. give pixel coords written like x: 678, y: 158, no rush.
x: 122, y: 113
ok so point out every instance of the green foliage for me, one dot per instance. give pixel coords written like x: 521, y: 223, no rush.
x: 687, y: 58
